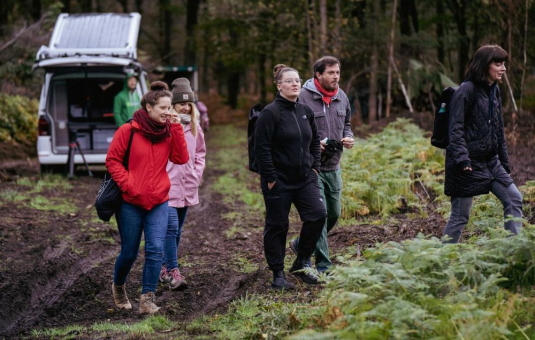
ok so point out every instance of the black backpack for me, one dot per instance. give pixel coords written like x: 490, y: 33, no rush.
x: 254, y: 113
x: 440, y: 137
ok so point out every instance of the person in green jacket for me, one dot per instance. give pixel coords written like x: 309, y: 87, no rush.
x: 126, y: 102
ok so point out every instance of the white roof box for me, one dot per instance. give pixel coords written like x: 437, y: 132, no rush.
x: 93, y: 34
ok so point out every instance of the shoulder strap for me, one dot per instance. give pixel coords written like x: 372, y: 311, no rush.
x: 126, y: 158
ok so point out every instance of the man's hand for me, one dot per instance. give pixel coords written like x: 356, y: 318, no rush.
x: 322, y: 145
x: 315, y: 172
x: 467, y: 168
x: 348, y: 142
x: 271, y: 185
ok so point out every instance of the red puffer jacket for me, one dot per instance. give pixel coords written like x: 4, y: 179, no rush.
x: 146, y: 183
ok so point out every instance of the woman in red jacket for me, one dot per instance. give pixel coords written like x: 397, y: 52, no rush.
x: 145, y: 186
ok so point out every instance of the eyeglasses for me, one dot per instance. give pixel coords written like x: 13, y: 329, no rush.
x: 290, y: 81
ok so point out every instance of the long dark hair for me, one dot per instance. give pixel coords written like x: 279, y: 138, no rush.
x: 478, y: 67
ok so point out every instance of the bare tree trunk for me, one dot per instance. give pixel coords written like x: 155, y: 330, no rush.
x: 86, y: 5
x: 309, y: 35
x: 36, y: 10
x: 191, y: 22
x: 165, y: 29
x: 66, y: 6
x: 372, y: 100
x: 323, y: 27
x: 525, y: 55
x: 315, y: 30
x: 124, y: 5
x: 459, y: 12
x: 262, y: 76
x: 336, y: 42
x: 440, y: 31
x: 390, y: 56
x: 5, y: 9
x: 139, y: 6
x: 403, y: 90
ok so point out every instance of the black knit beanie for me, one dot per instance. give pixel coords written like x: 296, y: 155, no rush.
x: 182, y: 91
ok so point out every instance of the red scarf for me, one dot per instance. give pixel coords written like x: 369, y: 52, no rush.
x: 151, y: 129
x: 327, y: 96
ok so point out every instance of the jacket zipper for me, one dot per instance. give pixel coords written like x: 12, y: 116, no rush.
x: 294, y: 113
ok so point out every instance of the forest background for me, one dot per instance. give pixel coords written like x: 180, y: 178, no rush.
x: 423, y: 44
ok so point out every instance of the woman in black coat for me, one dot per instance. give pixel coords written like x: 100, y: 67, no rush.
x: 476, y: 157
x: 287, y: 148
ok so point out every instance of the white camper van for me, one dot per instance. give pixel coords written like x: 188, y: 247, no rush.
x: 86, y: 64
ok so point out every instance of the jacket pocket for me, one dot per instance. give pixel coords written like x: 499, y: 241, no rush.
x: 321, y: 122
x: 340, y: 121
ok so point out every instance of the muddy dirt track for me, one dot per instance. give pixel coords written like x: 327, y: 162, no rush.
x: 56, y: 267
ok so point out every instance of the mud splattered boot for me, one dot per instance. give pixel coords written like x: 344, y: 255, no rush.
x: 164, y: 275
x: 119, y: 296
x: 280, y: 282
x: 147, y: 304
x: 178, y: 281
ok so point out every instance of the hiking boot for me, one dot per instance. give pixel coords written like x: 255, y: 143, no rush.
x: 302, y: 269
x: 164, y: 276
x: 178, y: 281
x: 147, y: 304
x: 119, y: 296
x: 294, y: 246
x: 280, y: 282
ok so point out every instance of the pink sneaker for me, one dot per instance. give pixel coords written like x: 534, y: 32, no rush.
x: 164, y: 275
x: 177, y: 281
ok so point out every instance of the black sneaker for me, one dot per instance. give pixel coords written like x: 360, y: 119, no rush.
x: 294, y: 246
x: 279, y: 281
x: 302, y: 269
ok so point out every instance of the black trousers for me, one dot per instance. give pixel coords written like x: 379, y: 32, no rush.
x: 307, y: 200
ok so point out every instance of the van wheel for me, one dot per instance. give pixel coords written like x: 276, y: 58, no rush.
x: 52, y: 169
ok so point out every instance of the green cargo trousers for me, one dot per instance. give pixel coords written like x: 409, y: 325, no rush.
x: 330, y: 183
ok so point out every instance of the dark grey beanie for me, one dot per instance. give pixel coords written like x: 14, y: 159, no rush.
x: 182, y: 91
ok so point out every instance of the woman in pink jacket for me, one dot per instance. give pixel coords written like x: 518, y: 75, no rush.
x: 185, y: 180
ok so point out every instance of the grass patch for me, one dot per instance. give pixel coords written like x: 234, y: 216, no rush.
x: 148, y: 326
x: 243, y: 265
x: 52, y: 204
x: 236, y: 182
x: 13, y: 196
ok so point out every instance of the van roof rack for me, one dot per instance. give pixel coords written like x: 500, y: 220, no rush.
x: 93, y: 34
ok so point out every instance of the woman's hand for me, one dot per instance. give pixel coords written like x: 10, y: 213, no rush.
x: 467, y: 168
x: 173, y: 117
x: 271, y: 185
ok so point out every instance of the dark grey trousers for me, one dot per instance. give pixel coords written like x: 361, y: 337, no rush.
x: 510, y: 197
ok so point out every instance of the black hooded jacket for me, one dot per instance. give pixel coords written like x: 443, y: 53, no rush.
x: 477, y: 140
x: 287, y: 144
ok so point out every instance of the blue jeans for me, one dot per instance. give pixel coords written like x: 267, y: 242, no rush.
x: 510, y: 197
x: 132, y: 221
x: 177, y: 217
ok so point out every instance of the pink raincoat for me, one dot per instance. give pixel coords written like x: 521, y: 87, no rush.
x: 186, y: 178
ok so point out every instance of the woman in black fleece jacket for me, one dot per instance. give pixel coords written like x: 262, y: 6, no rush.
x: 476, y: 157
x: 287, y: 149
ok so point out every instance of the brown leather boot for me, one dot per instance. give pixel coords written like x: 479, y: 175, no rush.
x: 147, y: 304
x: 120, y: 297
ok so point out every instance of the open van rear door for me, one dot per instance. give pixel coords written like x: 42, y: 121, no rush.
x: 93, y: 34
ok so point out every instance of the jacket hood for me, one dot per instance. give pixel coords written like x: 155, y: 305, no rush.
x: 310, y: 86
x: 125, y: 84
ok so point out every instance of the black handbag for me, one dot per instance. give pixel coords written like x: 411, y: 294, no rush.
x: 110, y: 196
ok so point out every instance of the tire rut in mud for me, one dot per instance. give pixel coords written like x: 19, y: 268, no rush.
x: 24, y: 303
